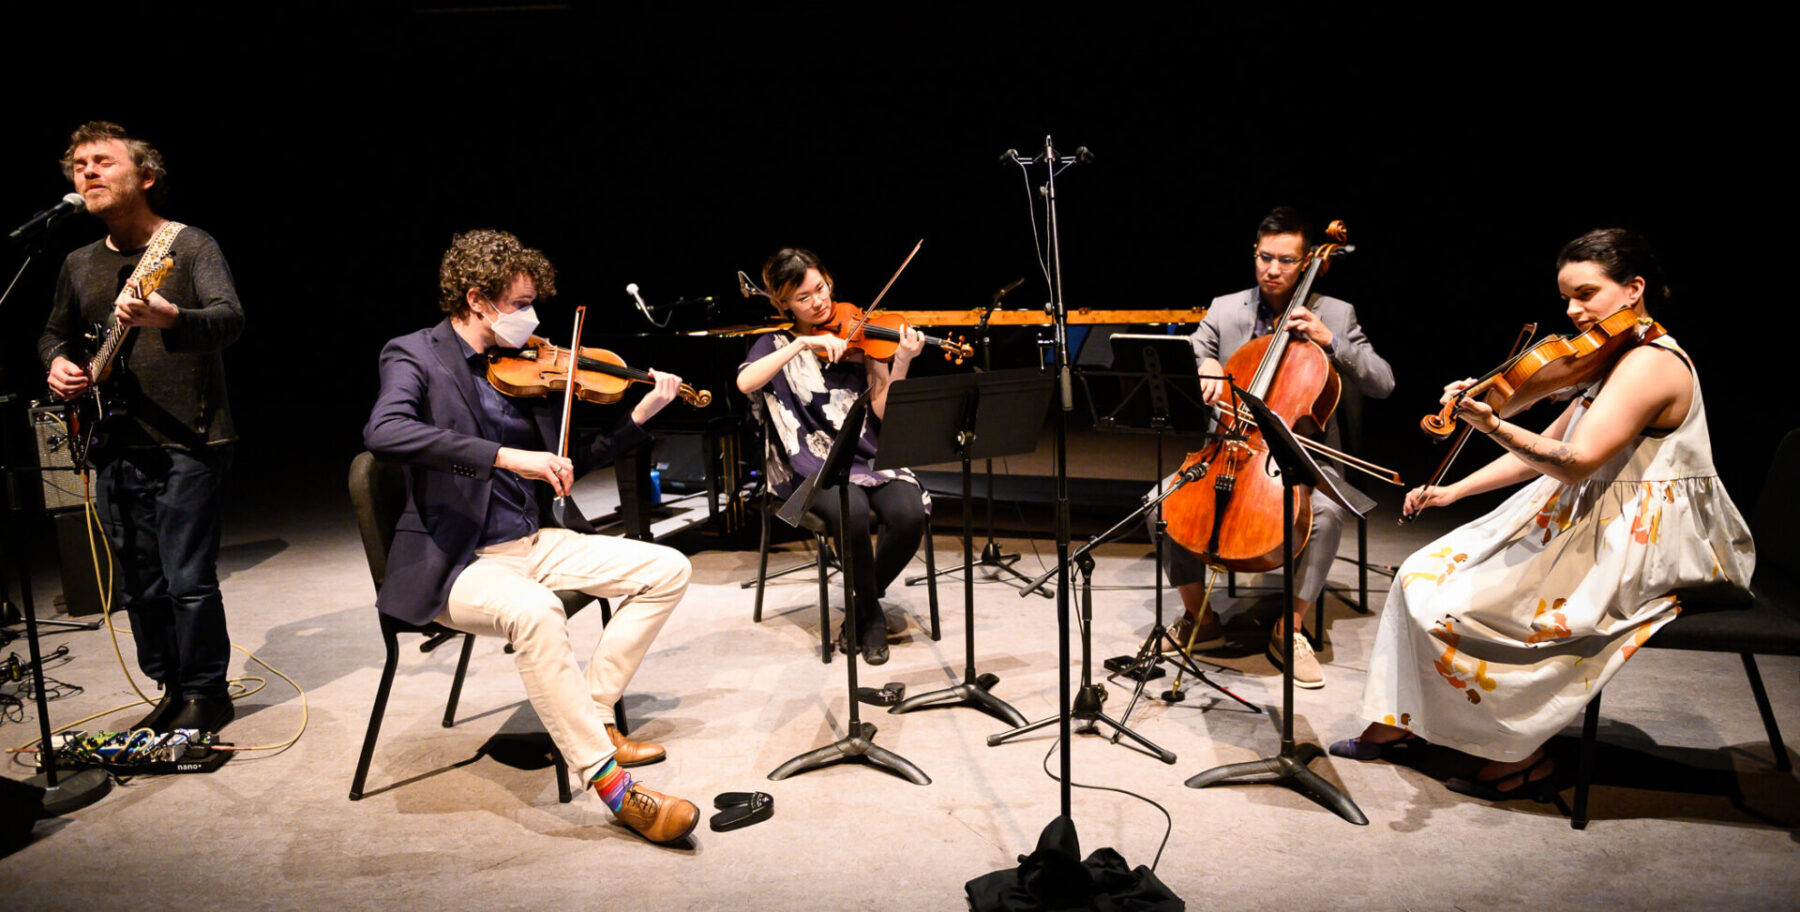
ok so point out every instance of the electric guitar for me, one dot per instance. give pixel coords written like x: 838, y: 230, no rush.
x: 86, y: 412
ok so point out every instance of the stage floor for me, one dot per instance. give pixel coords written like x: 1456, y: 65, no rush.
x: 447, y: 826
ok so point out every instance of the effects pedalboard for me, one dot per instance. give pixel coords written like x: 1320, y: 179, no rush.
x: 142, y: 752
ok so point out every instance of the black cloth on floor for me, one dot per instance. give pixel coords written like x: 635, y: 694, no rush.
x: 1052, y: 878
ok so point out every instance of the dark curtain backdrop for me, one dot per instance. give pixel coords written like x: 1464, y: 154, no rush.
x: 333, y: 151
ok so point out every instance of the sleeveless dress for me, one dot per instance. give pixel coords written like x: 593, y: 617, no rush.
x: 1496, y: 635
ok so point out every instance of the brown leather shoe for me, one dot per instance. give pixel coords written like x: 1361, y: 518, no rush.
x: 657, y: 817
x: 627, y: 752
x: 1211, y: 633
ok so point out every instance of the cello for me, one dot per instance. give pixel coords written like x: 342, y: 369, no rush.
x: 1231, y: 513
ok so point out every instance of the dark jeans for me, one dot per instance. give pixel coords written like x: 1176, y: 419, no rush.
x: 160, y: 508
x: 902, y: 510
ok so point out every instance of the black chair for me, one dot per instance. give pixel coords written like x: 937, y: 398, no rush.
x: 1767, y: 623
x: 378, y: 493
x: 823, y: 558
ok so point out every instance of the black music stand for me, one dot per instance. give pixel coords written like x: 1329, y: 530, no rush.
x: 1288, y: 768
x: 858, y: 742
x: 964, y: 417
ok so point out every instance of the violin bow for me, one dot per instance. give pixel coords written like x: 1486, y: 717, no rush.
x: 1462, y: 436
x: 559, y: 507
x: 870, y: 310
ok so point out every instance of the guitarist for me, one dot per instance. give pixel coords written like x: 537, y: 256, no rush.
x: 159, y: 465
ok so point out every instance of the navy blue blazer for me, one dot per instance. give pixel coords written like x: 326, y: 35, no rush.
x: 426, y: 418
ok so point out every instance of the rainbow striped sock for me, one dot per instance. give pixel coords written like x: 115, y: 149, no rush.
x: 612, y: 783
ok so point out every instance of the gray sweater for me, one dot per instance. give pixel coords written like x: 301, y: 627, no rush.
x: 171, y: 382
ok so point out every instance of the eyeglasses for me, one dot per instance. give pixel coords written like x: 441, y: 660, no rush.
x: 1269, y: 259
x: 806, y: 298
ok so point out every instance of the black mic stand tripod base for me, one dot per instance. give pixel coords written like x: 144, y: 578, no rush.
x: 1089, y: 696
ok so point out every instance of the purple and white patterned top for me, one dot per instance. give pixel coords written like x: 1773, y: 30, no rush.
x: 806, y: 404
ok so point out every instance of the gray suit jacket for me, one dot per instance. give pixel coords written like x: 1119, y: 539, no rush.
x: 1231, y: 319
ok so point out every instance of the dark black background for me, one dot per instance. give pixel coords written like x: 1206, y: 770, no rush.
x: 334, y: 151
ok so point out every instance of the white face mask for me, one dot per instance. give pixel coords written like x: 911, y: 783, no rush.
x: 514, y: 329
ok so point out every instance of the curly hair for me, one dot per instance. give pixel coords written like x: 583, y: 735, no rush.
x: 144, y: 156
x: 487, y: 261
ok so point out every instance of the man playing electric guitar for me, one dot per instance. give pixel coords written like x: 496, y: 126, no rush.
x: 159, y: 466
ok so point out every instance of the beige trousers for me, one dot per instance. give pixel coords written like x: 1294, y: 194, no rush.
x: 510, y: 591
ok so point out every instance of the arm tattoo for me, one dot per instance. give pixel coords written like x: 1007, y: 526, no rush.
x: 1559, y: 455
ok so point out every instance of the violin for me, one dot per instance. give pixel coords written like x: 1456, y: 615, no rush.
x: 539, y: 368
x: 878, y: 336
x: 1556, y: 365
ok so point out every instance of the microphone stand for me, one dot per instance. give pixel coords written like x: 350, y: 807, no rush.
x: 991, y: 554
x: 1059, y: 321
x: 62, y: 793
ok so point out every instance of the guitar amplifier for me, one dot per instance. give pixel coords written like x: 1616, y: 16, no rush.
x: 62, y: 485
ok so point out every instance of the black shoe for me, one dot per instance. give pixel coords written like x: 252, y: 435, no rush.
x: 874, y: 645
x: 158, y: 718
x: 207, y: 714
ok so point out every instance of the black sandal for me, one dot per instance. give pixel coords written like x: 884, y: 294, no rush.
x: 1489, y: 789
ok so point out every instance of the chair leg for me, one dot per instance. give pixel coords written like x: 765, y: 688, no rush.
x: 619, y: 704
x: 1318, y: 635
x: 462, y: 668
x: 1776, y: 745
x: 375, y: 714
x: 762, y: 567
x: 1362, y: 565
x: 931, y: 582
x: 824, y: 606
x: 1231, y: 583
x: 562, y: 774
x: 1584, y: 770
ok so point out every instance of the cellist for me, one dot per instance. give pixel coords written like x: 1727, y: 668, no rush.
x: 1282, y: 241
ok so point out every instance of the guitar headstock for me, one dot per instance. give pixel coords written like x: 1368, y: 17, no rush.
x: 153, y: 279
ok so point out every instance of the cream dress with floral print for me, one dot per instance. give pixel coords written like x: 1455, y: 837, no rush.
x: 1496, y: 635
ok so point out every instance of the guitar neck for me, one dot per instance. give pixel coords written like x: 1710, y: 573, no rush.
x: 116, y: 334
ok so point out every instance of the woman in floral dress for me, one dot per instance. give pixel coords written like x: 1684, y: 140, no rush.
x: 1496, y: 635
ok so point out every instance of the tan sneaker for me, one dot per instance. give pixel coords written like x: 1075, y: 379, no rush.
x: 657, y: 817
x: 627, y: 752
x: 1307, y: 672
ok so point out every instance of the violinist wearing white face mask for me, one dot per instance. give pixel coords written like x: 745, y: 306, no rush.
x: 476, y: 550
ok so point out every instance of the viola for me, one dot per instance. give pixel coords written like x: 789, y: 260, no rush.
x: 1232, y: 515
x: 540, y: 368
x: 878, y: 336
x: 1556, y: 365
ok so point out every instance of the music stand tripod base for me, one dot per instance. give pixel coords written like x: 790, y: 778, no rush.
x: 858, y: 742
x: 860, y: 747
x: 1284, y: 770
x: 968, y: 693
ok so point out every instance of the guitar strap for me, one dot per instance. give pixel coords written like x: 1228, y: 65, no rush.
x: 160, y: 242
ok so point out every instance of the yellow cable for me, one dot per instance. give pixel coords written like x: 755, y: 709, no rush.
x: 94, y: 549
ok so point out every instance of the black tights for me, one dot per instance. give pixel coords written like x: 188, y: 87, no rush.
x: 901, y: 508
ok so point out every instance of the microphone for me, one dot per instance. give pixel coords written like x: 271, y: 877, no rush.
x: 1083, y: 155
x: 746, y: 287
x: 1010, y: 156
x: 1015, y: 283
x: 71, y: 202
x: 631, y: 288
